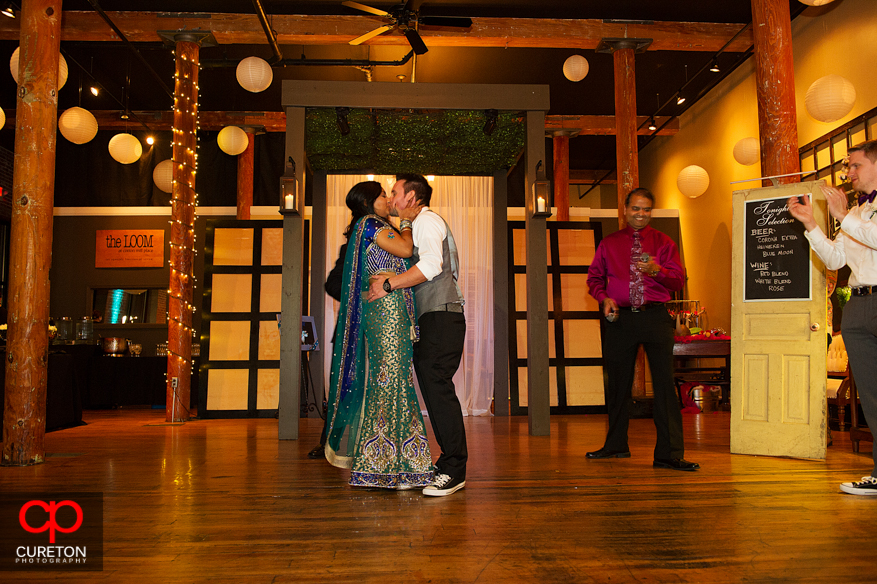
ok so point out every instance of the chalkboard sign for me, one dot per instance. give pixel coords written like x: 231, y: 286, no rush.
x: 777, y: 253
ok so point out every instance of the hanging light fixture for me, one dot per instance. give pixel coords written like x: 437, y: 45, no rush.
x: 254, y: 74
x: 816, y: 2
x: 8, y: 10
x: 125, y: 148
x: 62, y: 68
x: 232, y: 140
x: 163, y: 175
x: 652, y: 125
x: 747, y: 151
x: 715, y: 66
x: 830, y: 98
x: 575, y: 68
x: 693, y: 181
x: 77, y: 125
x: 2, y: 118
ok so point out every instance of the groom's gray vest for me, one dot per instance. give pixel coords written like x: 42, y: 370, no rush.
x: 441, y: 291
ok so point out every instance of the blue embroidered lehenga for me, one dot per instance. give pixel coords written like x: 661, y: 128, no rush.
x: 374, y: 425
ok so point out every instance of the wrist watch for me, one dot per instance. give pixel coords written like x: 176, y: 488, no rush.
x: 387, y: 287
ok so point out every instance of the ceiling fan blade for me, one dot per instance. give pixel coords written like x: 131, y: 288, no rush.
x: 415, y: 41
x: 364, y: 8
x: 460, y: 21
x: 368, y: 35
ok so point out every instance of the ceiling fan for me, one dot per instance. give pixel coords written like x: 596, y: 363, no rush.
x: 406, y: 17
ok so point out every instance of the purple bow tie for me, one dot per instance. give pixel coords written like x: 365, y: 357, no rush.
x: 867, y: 197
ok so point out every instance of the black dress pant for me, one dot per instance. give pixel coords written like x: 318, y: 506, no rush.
x: 653, y: 329
x: 436, y: 359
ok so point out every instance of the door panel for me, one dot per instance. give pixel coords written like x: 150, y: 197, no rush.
x: 778, y: 349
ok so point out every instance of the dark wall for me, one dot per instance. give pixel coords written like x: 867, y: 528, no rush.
x: 73, y: 274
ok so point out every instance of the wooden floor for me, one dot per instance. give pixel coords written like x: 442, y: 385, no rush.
x: 225, y: 501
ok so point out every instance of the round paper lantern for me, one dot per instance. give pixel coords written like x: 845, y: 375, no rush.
x: 254, y: 74
x: 575, y: 68
x: 163, y: 175
x: 232, y: 140
x: 2, y: 118
x: 693, y: 181
x: 125, y: 148
x: 830, y: 98
x: 78, y: 125
x: 62, y: 68
x: 747, y: 151
x: 816, y: 2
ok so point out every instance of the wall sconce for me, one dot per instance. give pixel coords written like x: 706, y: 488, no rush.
x: 541, y: 193
x: 290, y: 196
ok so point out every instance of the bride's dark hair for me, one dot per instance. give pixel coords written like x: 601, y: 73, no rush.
x: 361, y: 202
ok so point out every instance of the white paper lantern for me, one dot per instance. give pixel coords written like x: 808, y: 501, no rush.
x: 747, y: 151
x: 693, y: 181
x: 78, y: 125
x: 232, y: 140
x: 830, y: 98
x: 163, y: 175
x: 125, y: 148
x: 62, y: 68
x: 254, y: 74
x: 575, y: 68
x: 2, y: 118
x: 816, y: 2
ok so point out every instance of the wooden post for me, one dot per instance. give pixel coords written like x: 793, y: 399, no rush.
x: 561, y: 175
x: 27, y: 351
x: 627, y: 156
x: 626, y: 151
x: 775, y: 89
x: 501, y: 294
x: 179, y: 330
x: 538, y: 381
x: 245, y: 177
x: 289, y: 401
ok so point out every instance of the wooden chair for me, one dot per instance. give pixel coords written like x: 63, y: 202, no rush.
x: 857, y: 433
x: 839, y: 397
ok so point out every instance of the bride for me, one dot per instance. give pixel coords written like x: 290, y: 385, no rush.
x: 374, y: 425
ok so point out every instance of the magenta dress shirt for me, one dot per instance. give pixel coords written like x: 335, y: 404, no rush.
x: 609, y: 273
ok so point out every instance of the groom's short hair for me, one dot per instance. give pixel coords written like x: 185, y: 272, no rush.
x: 418, y: 184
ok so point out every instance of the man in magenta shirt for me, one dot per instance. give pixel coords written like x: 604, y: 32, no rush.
x: 633, y: 274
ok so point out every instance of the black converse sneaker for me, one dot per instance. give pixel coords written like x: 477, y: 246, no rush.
x: 867, y: 486
x: 444, y: 485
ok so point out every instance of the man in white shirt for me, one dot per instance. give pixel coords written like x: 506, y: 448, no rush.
x: 855, y: 246
x: 439, y: 304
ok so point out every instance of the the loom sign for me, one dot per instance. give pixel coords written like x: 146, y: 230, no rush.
x: 129, y: 248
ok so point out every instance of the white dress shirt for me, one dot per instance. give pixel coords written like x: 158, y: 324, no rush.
x: 855, y: 245
x: 429, y: 231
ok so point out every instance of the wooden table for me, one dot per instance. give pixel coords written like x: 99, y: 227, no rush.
x: 715, y: 375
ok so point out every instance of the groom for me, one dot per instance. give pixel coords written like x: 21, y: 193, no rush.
x: 442, y: 324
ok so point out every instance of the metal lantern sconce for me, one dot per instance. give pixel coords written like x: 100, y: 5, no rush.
x: 541, y: 194
x: 290, y: 195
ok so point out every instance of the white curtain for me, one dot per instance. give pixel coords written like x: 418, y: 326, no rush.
x: 466, y: 203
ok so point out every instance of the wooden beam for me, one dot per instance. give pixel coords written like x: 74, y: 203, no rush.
x: 182, y: 235
x: 440, y: 96
x: 293, y: 29
x: 561, y: 176
x: 775, y: 90
x: 27, y: 351
x: 605, y: 125
x: 245, y: 179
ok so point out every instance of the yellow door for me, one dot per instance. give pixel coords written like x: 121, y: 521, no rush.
x: 778, y: 327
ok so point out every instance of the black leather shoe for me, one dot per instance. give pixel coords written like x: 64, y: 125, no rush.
x: 605, y: 453
x: 675, y: 464
x: 317, y: 452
